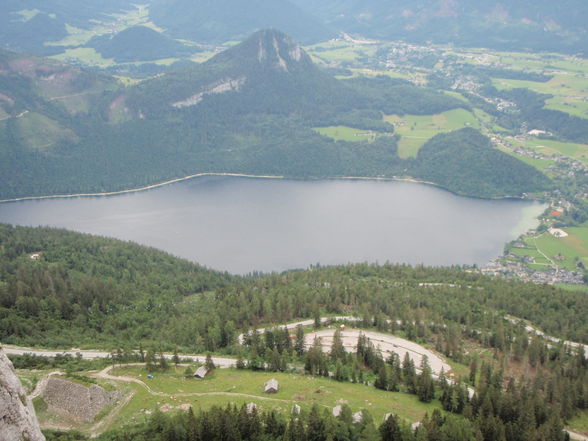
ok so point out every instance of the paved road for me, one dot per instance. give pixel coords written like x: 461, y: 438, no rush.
x: 222, y: 362
x: 310, y: 322
x: 387, y: 343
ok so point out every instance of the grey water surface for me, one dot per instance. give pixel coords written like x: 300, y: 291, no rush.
x: 245, y: 224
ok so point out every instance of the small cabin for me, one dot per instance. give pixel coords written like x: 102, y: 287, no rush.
x: 337, y: 410
x: 296, y: 409
x: 271, y: 387
x: 251, y: 407
x: 357, y: 417
x: 201, y: 372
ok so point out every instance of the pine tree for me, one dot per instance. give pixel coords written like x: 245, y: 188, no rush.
x: 299, y: 342
x: 209, y: 363
x: 382, y: 379
x: 337, y: 348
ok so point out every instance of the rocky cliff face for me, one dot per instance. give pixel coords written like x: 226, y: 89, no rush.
x: 18, y: 421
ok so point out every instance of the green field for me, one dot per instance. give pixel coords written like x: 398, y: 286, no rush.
x: 112, y: 23
x: 565, y: 252
x: 539, y: 164
x: 340, y: 52
x: 86, y: 55
x: 549, y: 147
x: 242, y: 386
x: 345, y: 133
x: 570, y: 92
x: 415, y: 130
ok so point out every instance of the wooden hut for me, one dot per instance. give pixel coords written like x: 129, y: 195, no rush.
x: 201, y: 372
x: 271, y: 387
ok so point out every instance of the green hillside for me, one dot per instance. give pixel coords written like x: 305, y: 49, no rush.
x: 138, y: 43
x: 250, y: 109
x: 62, y: 289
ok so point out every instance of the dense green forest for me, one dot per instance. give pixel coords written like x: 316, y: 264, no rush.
x: 493, y: 172
x: 86, y: 290
x: 109, y: 292
x: 250, y: 109
x: 139, y: 43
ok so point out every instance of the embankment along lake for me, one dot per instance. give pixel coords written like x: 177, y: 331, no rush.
x: 242, y: 225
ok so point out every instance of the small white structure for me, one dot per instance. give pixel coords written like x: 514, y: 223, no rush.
x: 556, y: 232
x: 251, y: 407
x: 271, y: 387
x: 201, y: 372
x: 357, y: 417
x: 296, y: 409
x: 337, y: 410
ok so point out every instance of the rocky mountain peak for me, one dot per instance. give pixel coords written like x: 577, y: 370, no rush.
x: 18, y: 421
x: 273, y: 49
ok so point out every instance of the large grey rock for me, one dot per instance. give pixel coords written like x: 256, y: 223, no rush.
x: 18, y: 421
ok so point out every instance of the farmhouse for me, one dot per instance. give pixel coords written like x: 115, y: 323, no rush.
x: 271, y: 387
x: 201, y: 372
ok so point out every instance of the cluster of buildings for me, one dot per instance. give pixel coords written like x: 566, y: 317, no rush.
x: 520, y: 271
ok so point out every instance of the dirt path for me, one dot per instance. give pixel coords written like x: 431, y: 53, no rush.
x: 577, y: 436
x: 40, y: 387
x: 104, y: 374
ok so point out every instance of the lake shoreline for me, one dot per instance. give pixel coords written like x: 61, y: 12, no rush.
x: 253, y: 176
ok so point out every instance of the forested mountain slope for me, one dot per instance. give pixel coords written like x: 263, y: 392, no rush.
x: 224, y: 20
x: 516, y: 25
x: 250, y: 109
x: 61, y: 288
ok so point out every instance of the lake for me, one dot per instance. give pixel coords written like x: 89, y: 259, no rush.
x: 246, y: 224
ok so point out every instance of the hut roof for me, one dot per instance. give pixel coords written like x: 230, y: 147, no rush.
x: 271, y: 386
x: 201, y: 372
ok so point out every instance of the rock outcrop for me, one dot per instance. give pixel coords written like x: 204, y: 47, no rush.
x: 18, y: 421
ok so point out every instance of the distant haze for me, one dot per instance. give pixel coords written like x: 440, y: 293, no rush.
x: 242, y: 225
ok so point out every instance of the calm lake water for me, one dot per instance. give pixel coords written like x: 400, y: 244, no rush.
x: 243, y: 224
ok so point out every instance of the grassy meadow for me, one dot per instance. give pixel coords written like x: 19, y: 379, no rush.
x: 415, y: 130
x: 171, y: 390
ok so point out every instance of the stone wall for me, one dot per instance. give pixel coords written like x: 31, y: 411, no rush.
x: 76, y: 400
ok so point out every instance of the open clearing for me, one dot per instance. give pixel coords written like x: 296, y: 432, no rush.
x: 346, y: 133
x: 415, y: 130
x: 171, y: 390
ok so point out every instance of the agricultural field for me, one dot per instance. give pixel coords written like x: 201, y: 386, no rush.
x: 539, y: 163
x: 550, y: 147
x: 570, y: 91
x: 565, y: 252
x: 345, y: 133
x: 171, y: 390
x: 415, y: 130
x: 112, y: 23
x: 340, y: 52
x: 85, y: 55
